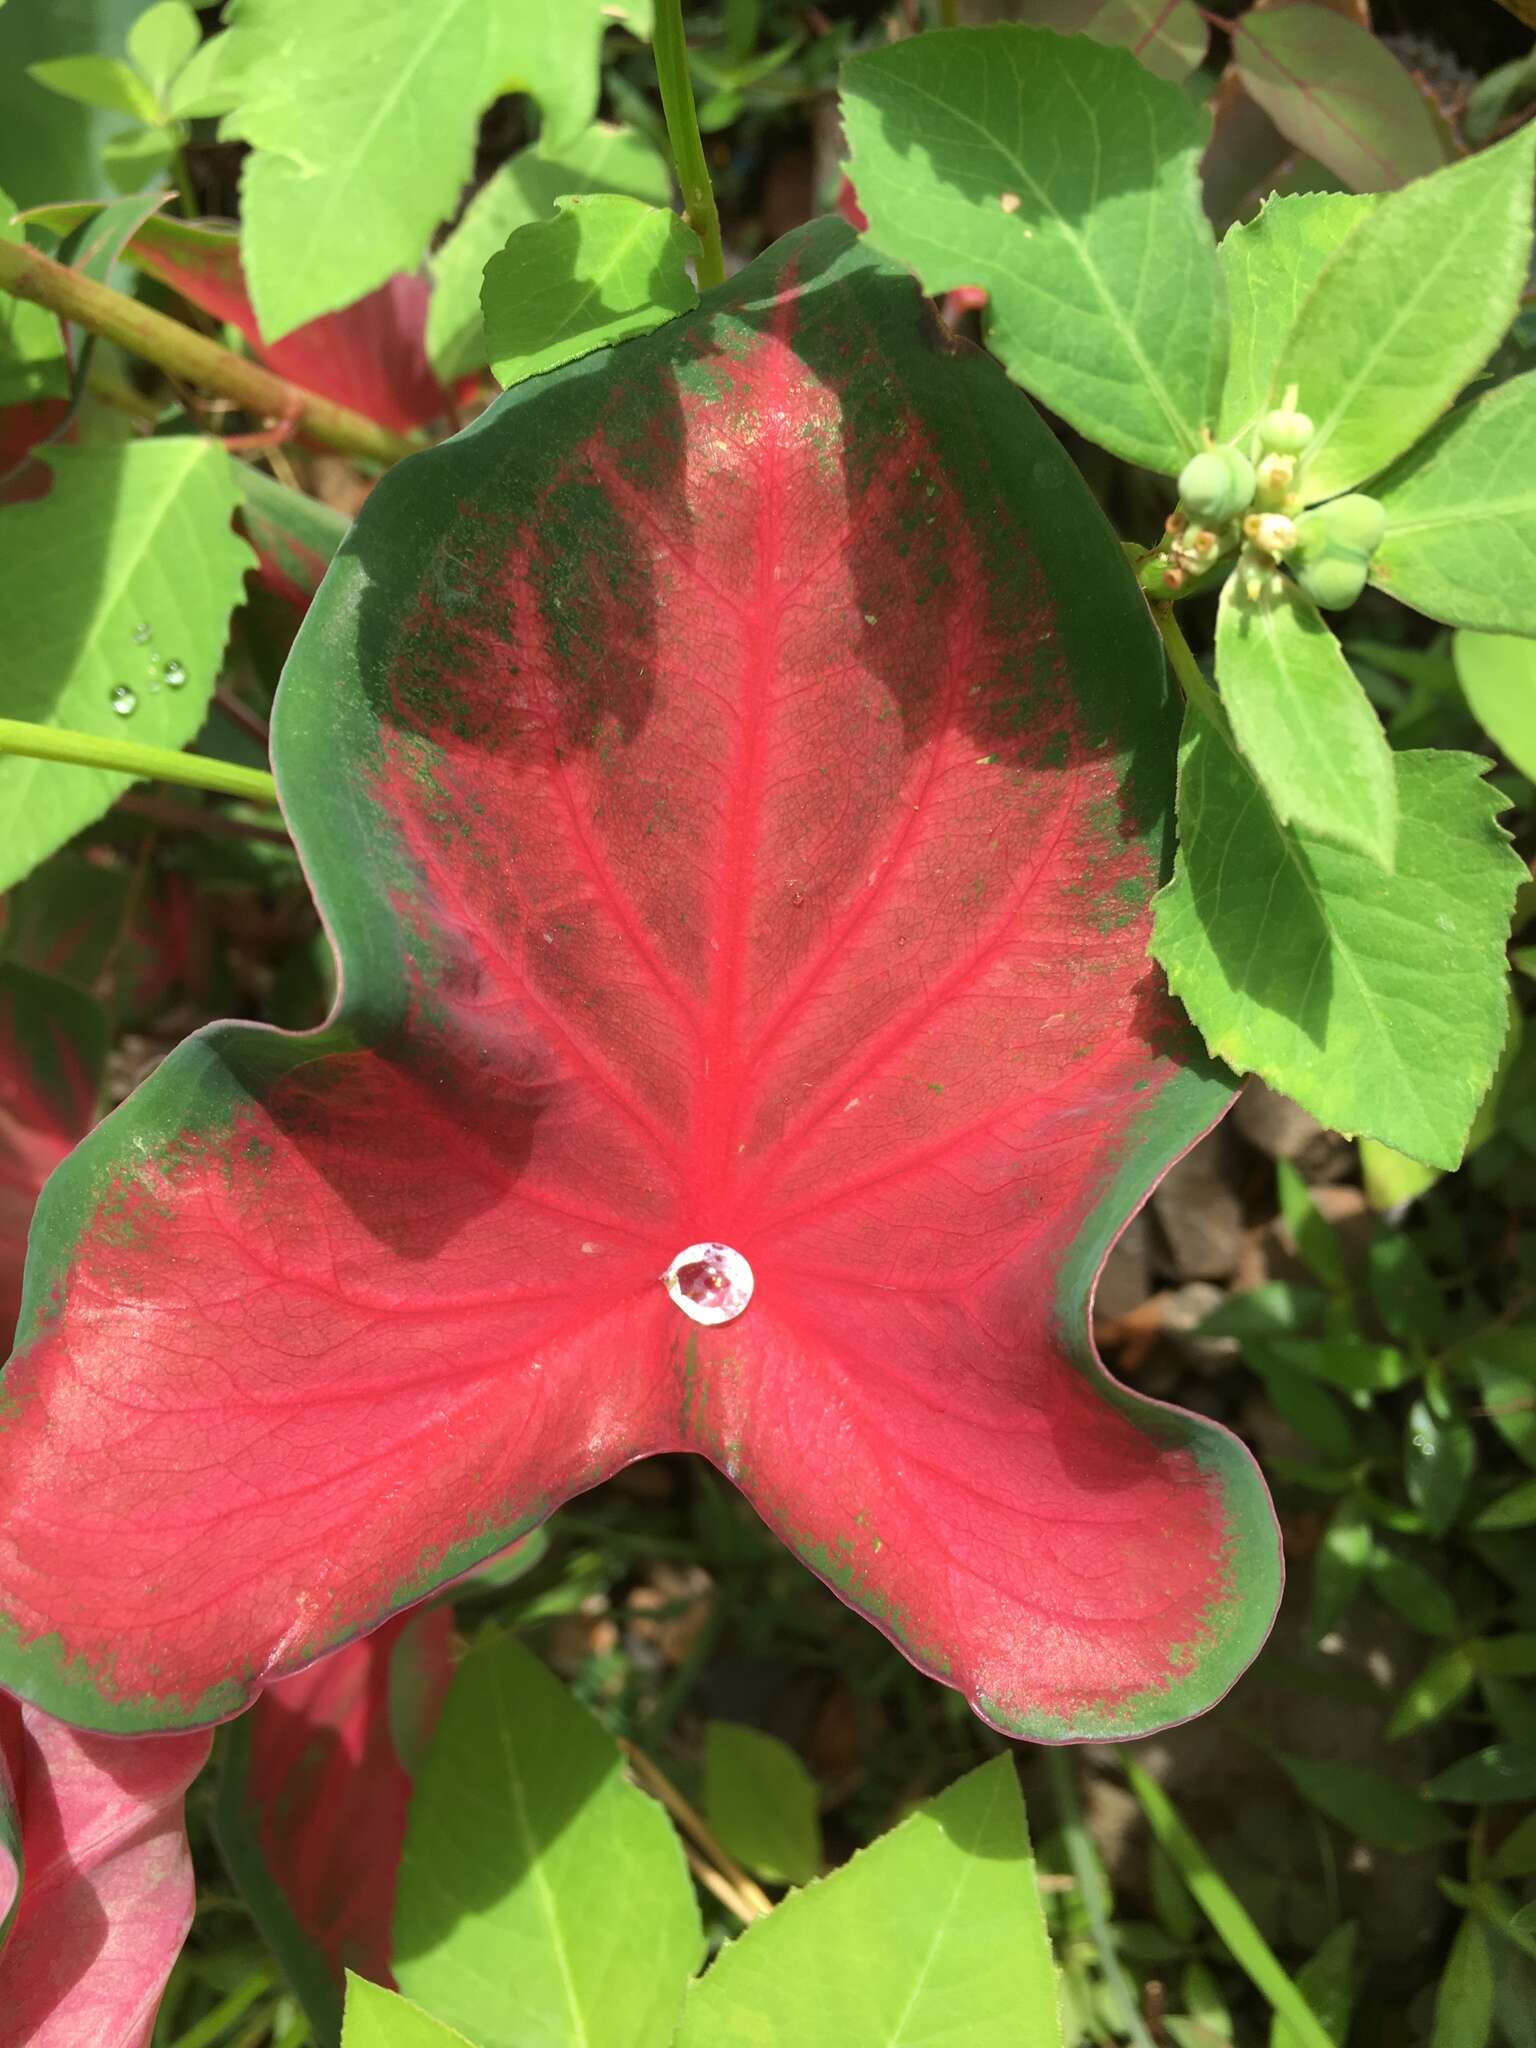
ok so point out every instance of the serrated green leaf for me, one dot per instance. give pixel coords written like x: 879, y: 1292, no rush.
x: 1271, y: 264
x: 1337, y: 92
x: 602, y: 159
x: 1301, y: 961
x: 1304, y: 724
x: 1504, y: 1772
x: 1446, y: 1678
x: 550, y: 49
x: 1168, y: 36
x: 133, y: 535
x: 376, y: 2018
x: 1408, y: 309
x: 936, y: 1931
x: 1059, y: 175
x: 1461, y: 516
x: 602, y: 269
x: 1497, y: 673
x: 761, y: 1803
x: 161, y: 41
x: 541, y: 1897
x: 104, y: 82
x: 1369, y: 1805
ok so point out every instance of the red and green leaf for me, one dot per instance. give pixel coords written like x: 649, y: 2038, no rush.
x: 313, y: 1795
x: 95, y: 1879
x: 370, y: 356
x: 52, y: 1045
x: 735, y: 774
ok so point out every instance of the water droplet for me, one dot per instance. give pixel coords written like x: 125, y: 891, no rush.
x: 175, y: 675
x: 141, y: 633
x: 709, y: 1282
x: 123, y: 700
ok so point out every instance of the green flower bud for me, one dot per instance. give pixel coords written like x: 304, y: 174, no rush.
x: 1285, y: 431
x: 1217, y: 484
x: 1356, y: 522
x: 1332, y: 580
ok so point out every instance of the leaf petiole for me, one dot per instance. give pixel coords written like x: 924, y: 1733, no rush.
x: 123, y: 757
x: 671, y: 47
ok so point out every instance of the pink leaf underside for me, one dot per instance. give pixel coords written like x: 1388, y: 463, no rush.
x: 38, y: 1125
x: 370, y: 356
x: 106, y: 1898
x: 22, y: 427
x: 328, y: 1793
x: 726, y: 937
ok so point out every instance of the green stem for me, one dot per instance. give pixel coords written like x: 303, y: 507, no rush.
x: 1084, y: 1858
x: 122, y: 757
x: 671, y: 47
x: 26, y: 273
x: 1186, y: 669
x: 1220, y: 1905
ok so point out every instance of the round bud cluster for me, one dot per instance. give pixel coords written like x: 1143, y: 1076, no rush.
x: 1216, y: 485
x: 1334, y: 546
x: 1285, y: 431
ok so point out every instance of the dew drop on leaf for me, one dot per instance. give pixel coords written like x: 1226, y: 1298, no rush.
x: 141, y: 633
x: 709, y: 1282
x: 124, y: 700
x: 175, y: 675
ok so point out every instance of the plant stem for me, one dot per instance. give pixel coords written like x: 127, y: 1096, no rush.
x: 671, y: 47
x: 1186, y: 669
x: 1084, y: 1858
x: 122, y: 757
x: 26, y: 273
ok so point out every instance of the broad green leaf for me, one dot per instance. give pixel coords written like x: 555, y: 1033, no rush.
x: 761, y: 1803
x: 1409, y: 308
x: 602, y: 269
x: 121, y: 580
x: 1271, y: 265
x: 1327, y: 1982
x: 363, y: 119
x: 1307, y: 729
x: 934, y: 1933
x: 1369, y: 1805
x: 50, y: 146
x: 1338, y: 93
x: 1303, y: 962
x: 104, y: 82
x: 32, y: 362
x: 1461, y: 515
x: 1497, y: 673
x: 161, y: 41
x: 602, y: 159
x: 376, y: 2018
x: 1464, y: 2002
x: 542, y: 1898
x: 1447, y: 1678
x: 1168, y: 36
x: 1061, y: 176
x: 1489, y: 1777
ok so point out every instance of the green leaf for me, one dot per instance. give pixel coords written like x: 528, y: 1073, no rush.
x: 49, y: 145
x: 211, y: 82
x: 1061, y: 176
x: 1327, y: 1981
x: 1513, y: 1510
x: 1339, y: 1565
x: 1271, y: 264
x: 1461, y: 515
x: 1503, y: 1772
x: 1303, y: 722
x: 541, y: 1897
x: 1516, y: 1854
x: 363, y: 119
x: 32, y: 361
x: 761, y: 1803
x: 1303, y: 962
x: 161, y: 41
x: 934, y: 1932
x: 134, y: 535
x: 1439, y: 1452
x: 1512, y: 1656
x: 105, y: 82
x: 1506, y: 1378
x: 1168, y: 36
x: 1447, y: 1678
x: 1497, y: 673
x: 602, y: 159
x: 1408, y: 309
x: 1390, y: 1177
x: 1406, y: 1294
x: 1369, y: 1805
x: 602, y: 269
x: 1464, y: 2002
x: 1334, y: 90
x: 1415, y: 1594
x: 376, y: 2018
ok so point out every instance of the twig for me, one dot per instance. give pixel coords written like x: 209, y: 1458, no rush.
x: 175, y: 817
x: 656, y: 1781
x: 240, y: 713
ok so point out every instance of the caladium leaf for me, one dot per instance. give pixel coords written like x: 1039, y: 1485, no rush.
x: 313, y: 1794
x: 371, y: 355
x: 95, y: 1879
x: 735, y: 773
x: 53, y: 1041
